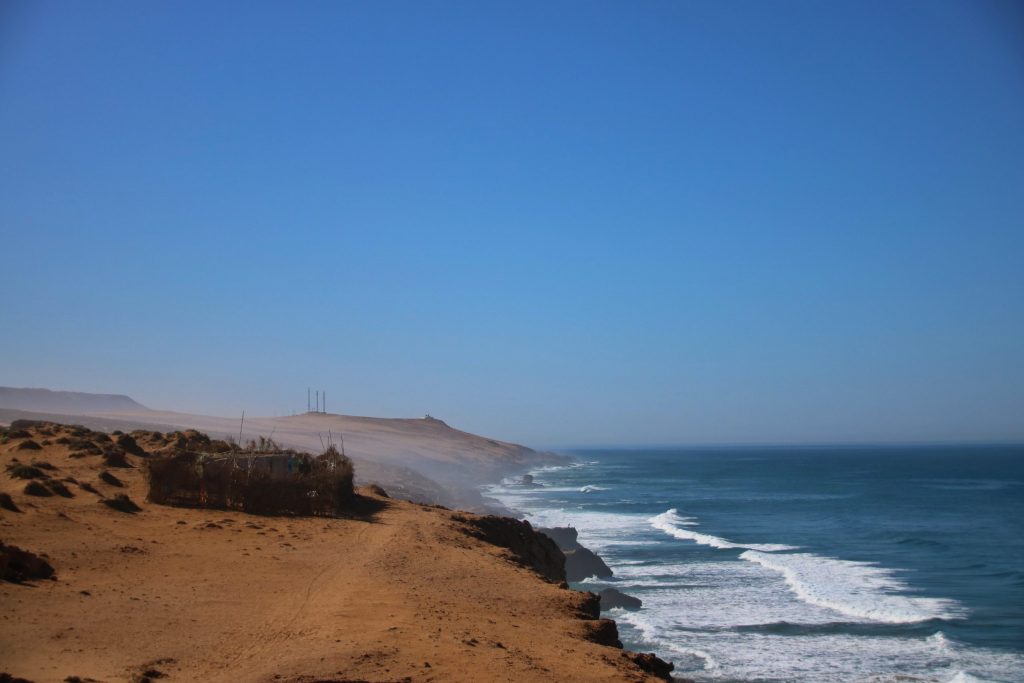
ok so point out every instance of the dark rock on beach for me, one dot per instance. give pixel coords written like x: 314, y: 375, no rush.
x: 603, y: 632
x: 611, y: 598
x: 564, y: 536
x: 582, y: 563
x: 652, y: 664
x: 590, y: 605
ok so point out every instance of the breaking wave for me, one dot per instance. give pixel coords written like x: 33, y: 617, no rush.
x: 860, y: 590
x: 671, y: 522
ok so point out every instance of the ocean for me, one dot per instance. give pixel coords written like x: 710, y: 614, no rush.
x: 805, y: 564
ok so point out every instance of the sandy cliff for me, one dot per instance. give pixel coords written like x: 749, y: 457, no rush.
x: 420, y: 459
x: 396, y: 592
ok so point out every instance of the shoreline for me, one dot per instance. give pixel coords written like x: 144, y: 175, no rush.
x: 566, y: 539
x: 393, y: 591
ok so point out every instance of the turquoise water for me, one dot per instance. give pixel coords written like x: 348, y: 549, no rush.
x: 806, y: 564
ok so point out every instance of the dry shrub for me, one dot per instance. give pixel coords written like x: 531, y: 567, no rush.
x: 59, y: 488
x: 109, y: 478
x: 115, y: 458
x: 28, y: 445
x: 34, y: 488
x: 25, y: 472
x: 21, y: 565
x: 7, y: 503
x: 121, y: 503
x: 129, y: 445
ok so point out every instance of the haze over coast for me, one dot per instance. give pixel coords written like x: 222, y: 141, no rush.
x: 419, y: 458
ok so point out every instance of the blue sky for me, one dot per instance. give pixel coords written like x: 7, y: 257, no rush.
x: 559, y: 223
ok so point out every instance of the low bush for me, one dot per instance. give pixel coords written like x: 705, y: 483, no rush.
x: 59, y: 488
x: 21, y: 565
x: 109, y: 478
x: 25, y: 472
x: 129, y: 445
x: 115, y: 458
x: 34, y: 488
x: 121, y: 503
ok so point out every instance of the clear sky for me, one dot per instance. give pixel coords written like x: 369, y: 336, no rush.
x: 553, y: 222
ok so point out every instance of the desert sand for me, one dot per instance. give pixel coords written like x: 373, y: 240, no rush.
x: 397, y: 591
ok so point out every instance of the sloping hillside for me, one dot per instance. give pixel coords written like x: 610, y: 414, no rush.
x: 69, y: 402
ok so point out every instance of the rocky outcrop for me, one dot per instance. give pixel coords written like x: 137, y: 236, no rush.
x: 652, y: 664
x: 603, y: 632
x: 529, y: 547
x: 580, y: 563
x: 564, y: 536
x: 611, y: 598
x: 590, y: 605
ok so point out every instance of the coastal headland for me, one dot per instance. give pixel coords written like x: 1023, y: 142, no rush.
x: 391, y: 591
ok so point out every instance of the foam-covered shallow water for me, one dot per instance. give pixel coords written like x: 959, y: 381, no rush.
x: 804, y: 564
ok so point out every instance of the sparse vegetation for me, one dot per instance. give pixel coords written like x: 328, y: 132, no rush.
x: 21, y: 565
x: 129, y: 445
x: 34, y: 488
x: 115, y: 458
x: 109, y: 478
x: 25, y: 472
x: 59, y: 488
x: 122, y: 503
x: 7, y: 503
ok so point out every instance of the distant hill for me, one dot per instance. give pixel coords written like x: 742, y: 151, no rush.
x: 68, y: 402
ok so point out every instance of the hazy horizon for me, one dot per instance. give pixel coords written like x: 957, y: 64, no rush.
x: 600, y: 224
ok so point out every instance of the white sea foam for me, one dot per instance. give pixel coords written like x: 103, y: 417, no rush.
x: 940, y: 641
x: 855, y: 589
x: 964, y: 677
x: 670, y: 522
x: 589, y: 488
x: 720, y: 618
